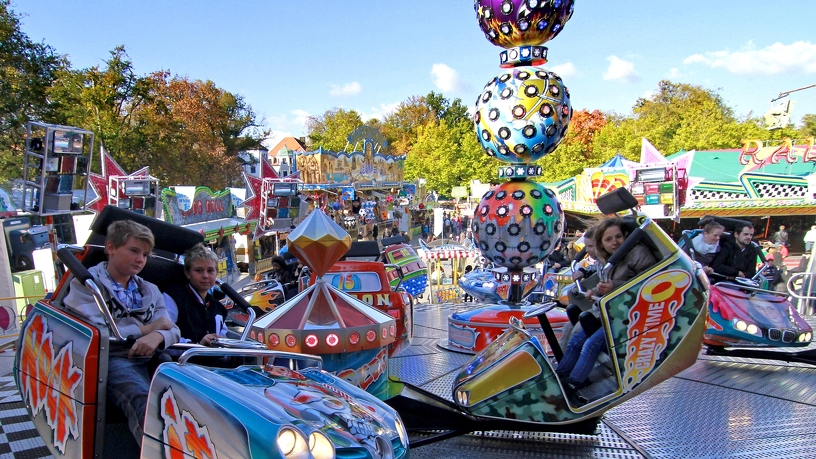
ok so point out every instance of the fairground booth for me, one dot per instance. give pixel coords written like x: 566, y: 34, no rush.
x: 212, y: 213
x: 360, y: 186
x: 768, y: 184
x: 277, y: 205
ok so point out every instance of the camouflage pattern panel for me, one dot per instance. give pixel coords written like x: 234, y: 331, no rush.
x: 513, y: 379
x: 56, y: 371
x: 652, y: 315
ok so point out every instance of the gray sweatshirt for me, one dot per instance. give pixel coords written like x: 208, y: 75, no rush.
x: 80, y: 300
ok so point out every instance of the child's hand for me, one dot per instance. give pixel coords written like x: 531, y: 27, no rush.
x: 146, y: 345
x: 207, y: 339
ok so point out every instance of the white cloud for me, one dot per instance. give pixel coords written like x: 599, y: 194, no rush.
x: 447, y: 79
x: 348, y: 89
x: 286, y: 126
x: 567, y: 70
x: 675, y: 73
x: 379, y: 112
x: 776, y: 59
x: 648, y: 95
x: 621, y: 70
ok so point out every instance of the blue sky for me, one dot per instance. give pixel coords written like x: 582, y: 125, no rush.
x: 293, y: 59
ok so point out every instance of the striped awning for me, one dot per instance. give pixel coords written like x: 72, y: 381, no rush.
x: 443, y: 254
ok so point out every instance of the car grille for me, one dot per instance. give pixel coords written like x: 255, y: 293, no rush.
x: 786, y: 336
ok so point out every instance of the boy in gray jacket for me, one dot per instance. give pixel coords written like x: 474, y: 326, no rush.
x: 138, y: 308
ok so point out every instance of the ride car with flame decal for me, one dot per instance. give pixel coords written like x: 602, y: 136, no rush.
x: 653, y: 326
x: 259, y: 403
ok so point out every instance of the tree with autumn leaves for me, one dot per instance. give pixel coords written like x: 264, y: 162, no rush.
x: 187, y: 131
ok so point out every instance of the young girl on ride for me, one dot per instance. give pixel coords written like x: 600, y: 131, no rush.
x: 582, y: 350
x: 707, y: 245
x: 590, y: 266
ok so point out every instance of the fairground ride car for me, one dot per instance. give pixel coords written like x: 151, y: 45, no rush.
x: 283, y: 406
x: 743, y: 313
x: 653, y: 326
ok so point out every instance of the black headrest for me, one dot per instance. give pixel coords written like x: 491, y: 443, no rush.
x: 159, y: 271
x: 393, y: 240
x: 728, y: 223
x: 616, y: 201
x: 169, y: 238
x: 363, y: 249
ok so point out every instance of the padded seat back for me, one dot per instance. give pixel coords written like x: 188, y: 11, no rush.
x: 157, y: 270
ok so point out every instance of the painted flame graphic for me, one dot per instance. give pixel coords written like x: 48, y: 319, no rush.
x: 48, y: 382
x: 182, y: 433
x: 651, y: 320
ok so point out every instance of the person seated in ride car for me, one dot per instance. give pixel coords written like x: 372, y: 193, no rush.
x: 592, y: 258
x: 572, y: 326
x: 138, y: 308
x: 707, y: 244
x: 200, y: 315
x: 738, y: 254
x: 557, y: 259
x: 582, y: 350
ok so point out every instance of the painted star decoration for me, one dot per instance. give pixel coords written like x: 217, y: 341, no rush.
x: 99, y: 183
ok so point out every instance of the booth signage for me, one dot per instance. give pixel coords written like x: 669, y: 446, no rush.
x: 205, y: 206
x: 754, y: 151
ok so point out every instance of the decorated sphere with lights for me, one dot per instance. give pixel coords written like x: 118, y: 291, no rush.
x: 518, y: 224
x: 509, y: 23
x: 522, y: 114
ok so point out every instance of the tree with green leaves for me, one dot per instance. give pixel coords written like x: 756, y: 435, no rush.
x: 104, y: 99
x: 331, y: 129
x: 447, y: 156
x: 809, y: 125
x: 27, y: 70
x: 188, y: 132
x: 576, y: 150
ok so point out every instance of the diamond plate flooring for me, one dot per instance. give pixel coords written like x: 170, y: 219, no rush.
x: 721, y: 407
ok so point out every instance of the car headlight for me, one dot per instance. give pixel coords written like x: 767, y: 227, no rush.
x: 403, y: 434
x: 320, y: 446
x: 292, y: 444
x: 808, y: 336
x: 804, y: 337
x: 747, y: 327
x: 462, y: 397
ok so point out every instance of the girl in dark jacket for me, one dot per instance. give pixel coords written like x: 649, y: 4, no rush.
x: 582, y: 350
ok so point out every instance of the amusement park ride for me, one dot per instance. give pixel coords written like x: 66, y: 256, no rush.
x: 316, y: 382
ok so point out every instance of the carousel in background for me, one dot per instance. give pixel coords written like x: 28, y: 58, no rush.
x: 350, y: 335
x: 522, y: 114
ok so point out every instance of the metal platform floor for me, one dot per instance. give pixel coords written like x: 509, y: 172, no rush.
x: 721, y: 407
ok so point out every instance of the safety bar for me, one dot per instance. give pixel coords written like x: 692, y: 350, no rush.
x: 750, y: 288
x: 399, y: 273
x: 81, y: 273
x: 213, y: 352
x: 792, y: 288
x: 239, y: 301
